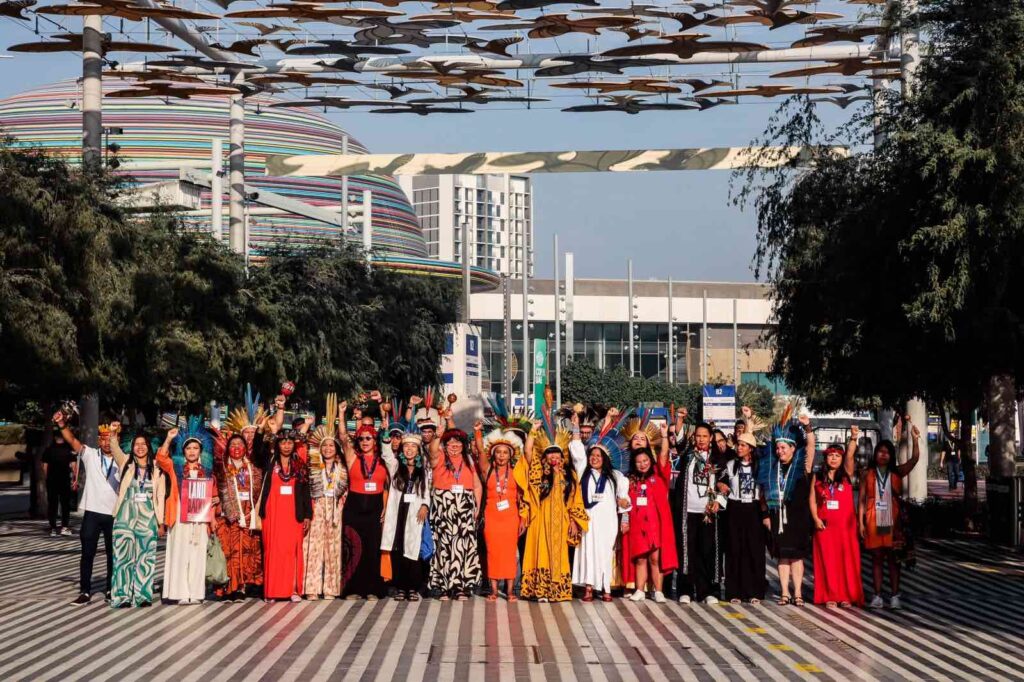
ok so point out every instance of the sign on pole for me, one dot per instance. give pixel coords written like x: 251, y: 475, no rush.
x: 720, y: 406
x: 540, y: 372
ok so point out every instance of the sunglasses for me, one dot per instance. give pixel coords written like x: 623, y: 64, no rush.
x: 365, y: 437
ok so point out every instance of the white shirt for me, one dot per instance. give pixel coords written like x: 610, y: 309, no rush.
x: 743, y: 486
x: 697, y: 484
x: 98, y: 496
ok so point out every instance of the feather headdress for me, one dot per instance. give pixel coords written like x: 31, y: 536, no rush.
x: 194, y: 431
x: 507, y: 419
x: 327, y: 430
x: 777, y: 480
x: 551, y: 434
x: 503, y: 437
x: 248, y: 417
x: 641, y: 423
x: 609, y: 440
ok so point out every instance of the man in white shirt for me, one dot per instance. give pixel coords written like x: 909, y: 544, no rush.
x: 102, y: 479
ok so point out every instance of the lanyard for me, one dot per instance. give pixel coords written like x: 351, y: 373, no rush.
x: 367, y: 473
x: 330, y: 476
x: 106, y: 468
x: 252, y: 503
x: 140, y: 475
x: 882, y: 482
x: 457, y: 473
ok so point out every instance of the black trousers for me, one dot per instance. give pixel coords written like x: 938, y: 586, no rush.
x: 745, y: 558
x: 698, y: 582
x: 93, y: 524
x: 58, y: 494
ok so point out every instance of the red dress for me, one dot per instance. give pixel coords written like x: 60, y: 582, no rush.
x: 282, y: 541
x: 650, y: 525
x: 837, y: 548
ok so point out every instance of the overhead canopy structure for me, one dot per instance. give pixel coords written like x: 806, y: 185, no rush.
x: 456, y: 56
x: 482, y: 163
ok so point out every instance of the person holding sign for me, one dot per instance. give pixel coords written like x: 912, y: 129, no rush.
x: 286, y: 510
x: 192, y: 478
x: 328, y: 483
x: 881, y: 487
x: 368, y: 483
x: 837, y: 578
x: 454, y: 510
x: 500, y: 501
x: 138, y: 520
x: 407, y: 509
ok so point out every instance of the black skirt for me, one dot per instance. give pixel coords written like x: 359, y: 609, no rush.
x: 406, y: 574
x: 745, y: 556
x: 794, y: 542
x: 360, y: 548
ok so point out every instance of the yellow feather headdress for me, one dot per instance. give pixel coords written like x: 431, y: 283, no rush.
x: 251, y: 416
x: 326, y: 431
x: 641, y: 423
x: 503, y: 437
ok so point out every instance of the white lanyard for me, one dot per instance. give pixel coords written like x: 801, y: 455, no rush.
x: 252, y: 503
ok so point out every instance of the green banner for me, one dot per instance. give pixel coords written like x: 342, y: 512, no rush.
x: 540, y: 372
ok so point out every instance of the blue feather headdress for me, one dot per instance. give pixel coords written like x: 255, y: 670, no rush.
x: 248, y: 416
x: 777, y: 481
x: 612, y: 442
x: 193, y: 431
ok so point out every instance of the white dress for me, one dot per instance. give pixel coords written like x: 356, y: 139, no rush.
x: 595, y: 557
x: 185, y: 562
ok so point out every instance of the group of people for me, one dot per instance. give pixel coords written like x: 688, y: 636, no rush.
x: 406, y: 504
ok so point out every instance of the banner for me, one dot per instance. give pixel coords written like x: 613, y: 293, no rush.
x: 720, y: 406
x: 540, y: 372
x: 197, y: 500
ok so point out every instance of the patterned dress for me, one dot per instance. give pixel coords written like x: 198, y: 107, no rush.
x: 547, y: 573
x: 322, y: 546
x: 135, y: 538
x: 239, y: 530
x: 455, y: 566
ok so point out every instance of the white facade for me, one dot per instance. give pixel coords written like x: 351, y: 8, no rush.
x: 496, y: 209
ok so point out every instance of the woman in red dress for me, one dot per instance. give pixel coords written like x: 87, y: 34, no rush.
x: 648, y: 538
x: 836, y: 545
x: 286, y: 509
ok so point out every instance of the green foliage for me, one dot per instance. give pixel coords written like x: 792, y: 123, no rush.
x: 893, y: 268
x: 758, y: 398
x: 149, y: 314
x: 583, y: 381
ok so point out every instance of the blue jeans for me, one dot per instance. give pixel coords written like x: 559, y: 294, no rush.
x: 953, y: 472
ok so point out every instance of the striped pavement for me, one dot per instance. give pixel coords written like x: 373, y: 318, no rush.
x: 964, y: 606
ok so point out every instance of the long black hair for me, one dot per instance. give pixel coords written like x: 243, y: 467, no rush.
x: 547, y: 480
x: 607, y: 470
x: 634, y: 473
x: 892, y: 454
x: 841, y: 475
x: 131, y: 455
x: 418, y: 476
x: 298, y: 466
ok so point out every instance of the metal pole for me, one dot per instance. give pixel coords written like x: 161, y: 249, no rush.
x: 344, y: 190
x: 910, y: 57
x: 558, y: 330
x: 704, y: 343
x: 506, y: 349
x: 216, y: 188
x: 629, y: 303
x: 466, y: 272
x: 735, y: 346
x: 570, y: 313
x: 367, y: 222
x: 671, y: 354
x: 526, y: 317
x: 92, y: 91
x: 236, y: 174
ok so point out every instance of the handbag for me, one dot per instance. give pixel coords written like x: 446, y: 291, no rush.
x: 216, y: 564
x: 426, y: 542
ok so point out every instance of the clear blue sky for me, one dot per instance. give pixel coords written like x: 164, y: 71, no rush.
x: 671, y: 224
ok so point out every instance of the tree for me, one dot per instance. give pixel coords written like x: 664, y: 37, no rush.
x: 893, y: 268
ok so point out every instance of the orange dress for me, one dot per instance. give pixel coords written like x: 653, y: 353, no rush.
x: 887, y: 537
x: 501, y: 524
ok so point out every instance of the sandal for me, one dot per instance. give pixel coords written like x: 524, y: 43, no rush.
x: 845, y: 604
x: 512, y: 597
x: 588, y: 596
x: 755, y: 601
x: 799, y: 601
x: 399, y: 596
x: 735, y: 601
x: 462, y: 596
x: 606, y: 597
x: 444, y: 597
x: 830, y: 605
x: 784, y: 600
x: 492, y: 597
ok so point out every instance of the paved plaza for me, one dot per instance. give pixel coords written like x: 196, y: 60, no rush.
x: 962, y: 620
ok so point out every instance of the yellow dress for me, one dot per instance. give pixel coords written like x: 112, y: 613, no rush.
x: 547, y: 573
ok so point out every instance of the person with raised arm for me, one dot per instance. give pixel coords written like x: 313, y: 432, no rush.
x: 502, y: 524
x: 369, y: 483
x: 605, y: 494
x: 745, y: 578
x: 454, y: 510
x: 139, y: 519
x: 405, y: 517
x: 102, y: 482
x: 881, y: 512
x: 837, y: 580
x: 328, y: 484
x: 784, y: 473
